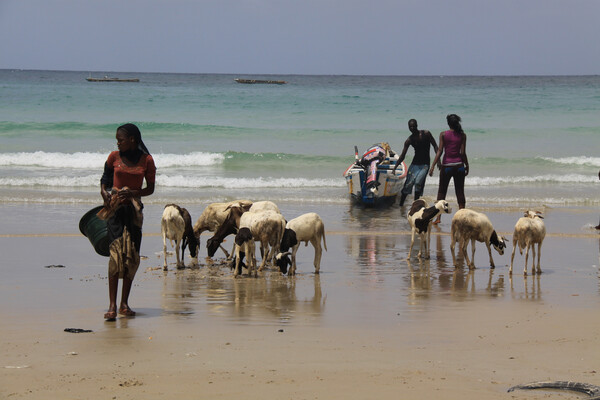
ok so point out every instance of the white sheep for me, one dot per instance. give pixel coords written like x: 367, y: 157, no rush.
x: 529, y: 230
x: 267, y: 227
x: 263, y: 206
x: 176, y: 225
x: 469, y: 225
x: 420, y: 216
x: 306, y: 228
x: 213, y: 216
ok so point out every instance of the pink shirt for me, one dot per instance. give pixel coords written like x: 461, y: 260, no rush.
x: 452, y: 143
x: 132, y: 177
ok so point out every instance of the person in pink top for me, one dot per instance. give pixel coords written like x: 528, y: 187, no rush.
x: 455, y: 164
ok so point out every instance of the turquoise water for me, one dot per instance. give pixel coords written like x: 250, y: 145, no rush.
x: 531, y: 140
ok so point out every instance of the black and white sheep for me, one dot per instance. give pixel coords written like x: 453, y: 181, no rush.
x: 420, y: 216
x: 244, y: 246
x: 176, y: 225
x: 305, y: 228
x: 469, y: 225
x: 529, y: 230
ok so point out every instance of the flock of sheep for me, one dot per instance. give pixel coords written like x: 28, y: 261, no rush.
x: 471, y: 226
x: 250, y: 222
x: 263, y: 222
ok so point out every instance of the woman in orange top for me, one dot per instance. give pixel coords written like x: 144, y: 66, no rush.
x: 125, y: 171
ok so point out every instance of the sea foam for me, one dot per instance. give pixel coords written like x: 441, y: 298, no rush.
x: 86, y: 160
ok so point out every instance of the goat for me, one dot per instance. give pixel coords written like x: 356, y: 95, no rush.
x: 176, y: 225
x: 305, y: 228
x: 213, y: 216
x: 474, y: 226
x: 529, y: 230
x: 420, y: 217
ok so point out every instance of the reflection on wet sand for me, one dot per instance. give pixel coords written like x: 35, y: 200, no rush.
x: 364, y: 276
x: 530, y: 292
x: 384, y: 256
x: 247, y: 300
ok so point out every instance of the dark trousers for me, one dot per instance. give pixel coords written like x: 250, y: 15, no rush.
x: 457, y: 173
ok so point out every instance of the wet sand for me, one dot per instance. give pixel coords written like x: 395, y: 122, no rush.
x: 371, y: 325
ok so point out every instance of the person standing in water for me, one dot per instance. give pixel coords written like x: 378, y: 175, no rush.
x: 125, y: 171
x: 421, y: 141
x: 455, y: 164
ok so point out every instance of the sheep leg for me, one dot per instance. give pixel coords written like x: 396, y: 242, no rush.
x: 489, y: 248
x: 264, y: 252
x: 421, y: 244
x: 412, y: 242
x: 292, y: 270
x: 251, y: 257
x: 179, y: 261
x: 452, y: 245
x: 539, y: 268
x: 472, y: 264
x: 316, y: 242
x: 462, y: 245
x: 533, y: 259
x: 228, y: 255
x: 237, y: 269
x: 428, y: 242
x: 526, y: 258
x: 512, y: 256
x: 165, y: 251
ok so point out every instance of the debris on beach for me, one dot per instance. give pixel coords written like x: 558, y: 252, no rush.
x: 55, y: 266
x: 77, y: 330
x: 591, y: 390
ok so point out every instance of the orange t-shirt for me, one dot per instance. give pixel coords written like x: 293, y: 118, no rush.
x: 132, y: 177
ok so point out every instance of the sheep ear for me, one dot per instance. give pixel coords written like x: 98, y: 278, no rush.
x: 505, y: 240
x: 526, y: 214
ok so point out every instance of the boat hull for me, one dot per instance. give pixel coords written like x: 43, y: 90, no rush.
x: 108, y: 79
x: 389, y: 184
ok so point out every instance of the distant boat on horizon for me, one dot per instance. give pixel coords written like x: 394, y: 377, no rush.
x: 111, y: 79
x: 238, y: 80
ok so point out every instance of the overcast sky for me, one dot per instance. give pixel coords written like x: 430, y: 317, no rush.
x: 354, y: 37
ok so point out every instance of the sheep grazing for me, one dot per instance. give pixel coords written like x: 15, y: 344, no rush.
x: 469, y: 225
x: 529, y: 230
x: 228, y: 227
x: 213, y: 216
x: 305, y: 228
x: 267, y: 227
x: 244, y: 246
x: 176, y: 225
x: 420, y: 216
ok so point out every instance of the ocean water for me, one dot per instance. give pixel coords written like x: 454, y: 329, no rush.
x: 531, y: 140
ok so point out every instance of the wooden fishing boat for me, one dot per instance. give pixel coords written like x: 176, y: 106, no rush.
x: 389, y: 182
x: 238, y: 80
x: 111, y: 79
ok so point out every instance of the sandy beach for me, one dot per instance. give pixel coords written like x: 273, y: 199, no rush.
x: 371, y: 325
